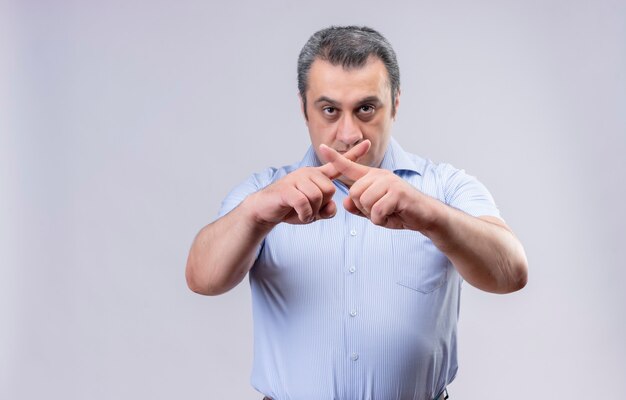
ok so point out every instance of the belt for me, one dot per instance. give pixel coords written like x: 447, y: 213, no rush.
x: 442, y: 396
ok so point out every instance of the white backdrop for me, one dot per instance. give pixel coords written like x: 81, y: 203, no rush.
x: 124, y: 123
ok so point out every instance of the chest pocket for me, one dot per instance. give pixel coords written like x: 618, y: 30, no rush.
x: 421, y: 266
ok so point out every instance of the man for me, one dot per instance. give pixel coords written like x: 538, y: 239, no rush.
x: 356, y: 253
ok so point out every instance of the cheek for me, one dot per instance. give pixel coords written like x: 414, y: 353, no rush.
x: 321, y: 132
x: 378, y: 133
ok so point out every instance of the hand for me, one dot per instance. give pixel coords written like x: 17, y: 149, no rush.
x: 381, y: 196
x: 302, y: 196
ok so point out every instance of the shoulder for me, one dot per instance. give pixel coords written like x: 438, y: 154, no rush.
x: 440, y: 174
x: 461, y: 190
x: 252, y: 184
x: 270, y: 175
x: 452, y: 186
x: 430, y: 172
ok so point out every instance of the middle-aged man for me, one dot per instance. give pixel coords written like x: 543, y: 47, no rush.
x: 356, y: 253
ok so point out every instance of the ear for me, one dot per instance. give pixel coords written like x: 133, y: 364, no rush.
x: 397, y: 105
x: 306, y: 120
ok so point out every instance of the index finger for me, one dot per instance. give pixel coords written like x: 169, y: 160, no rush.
x: 353, y: 154
x: 344, y: 166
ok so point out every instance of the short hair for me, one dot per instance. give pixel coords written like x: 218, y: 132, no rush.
x: 350, y: 47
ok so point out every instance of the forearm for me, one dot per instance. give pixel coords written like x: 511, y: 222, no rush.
x: 223, y: 252
x: 484, y: 251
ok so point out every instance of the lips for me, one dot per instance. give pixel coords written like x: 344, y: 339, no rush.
x: 343, y: 151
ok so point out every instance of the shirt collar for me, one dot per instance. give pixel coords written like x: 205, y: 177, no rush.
x: 395, y: 159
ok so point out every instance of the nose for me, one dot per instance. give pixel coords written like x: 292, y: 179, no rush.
x: 348, y: 131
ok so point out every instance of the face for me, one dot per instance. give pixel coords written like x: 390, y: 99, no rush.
x: 345, y: 107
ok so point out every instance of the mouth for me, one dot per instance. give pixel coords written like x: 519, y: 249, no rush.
x: 345, y: 150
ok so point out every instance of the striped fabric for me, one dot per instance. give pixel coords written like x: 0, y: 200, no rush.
x: 345, y: 309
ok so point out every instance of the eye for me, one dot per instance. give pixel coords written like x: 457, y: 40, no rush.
x: 328, y: 110
x: 366, y: 109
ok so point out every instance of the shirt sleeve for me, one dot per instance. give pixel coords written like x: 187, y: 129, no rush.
x: 466, y: 193
x: 251, y: 185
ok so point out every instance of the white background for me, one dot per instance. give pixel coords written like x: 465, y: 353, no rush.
x: 124, y: 123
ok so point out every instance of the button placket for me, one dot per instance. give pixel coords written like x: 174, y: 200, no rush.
x: 353, y: 242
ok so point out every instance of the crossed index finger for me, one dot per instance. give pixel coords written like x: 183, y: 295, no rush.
x: 344, y: 166
x: 353, y: 154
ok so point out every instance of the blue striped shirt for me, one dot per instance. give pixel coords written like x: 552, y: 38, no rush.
x: 345, y: 309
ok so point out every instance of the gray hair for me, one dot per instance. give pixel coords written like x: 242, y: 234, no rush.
x: 350, y: 47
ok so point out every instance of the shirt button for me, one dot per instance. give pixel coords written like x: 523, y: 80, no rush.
x: 352, y: 269
x: 353, y: 232
x: 353, y: 313
x: 354, y: 357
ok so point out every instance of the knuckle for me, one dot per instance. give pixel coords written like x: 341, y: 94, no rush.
x: 377, y: 210
x: 316, y: 197
x: 376, y: 220
x: 327, y: 186
x: 366, y: 205
x: 301, y: 201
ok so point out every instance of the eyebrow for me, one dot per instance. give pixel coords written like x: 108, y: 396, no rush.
x: 371, y: 99
x: 368, y: 99
x: 324, y: 99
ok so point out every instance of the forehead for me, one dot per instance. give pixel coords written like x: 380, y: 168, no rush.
x: 337, y: 82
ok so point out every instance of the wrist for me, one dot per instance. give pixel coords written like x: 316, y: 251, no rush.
x: 250, y: 208
x: 441, y: 229
x: 437, y: 216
